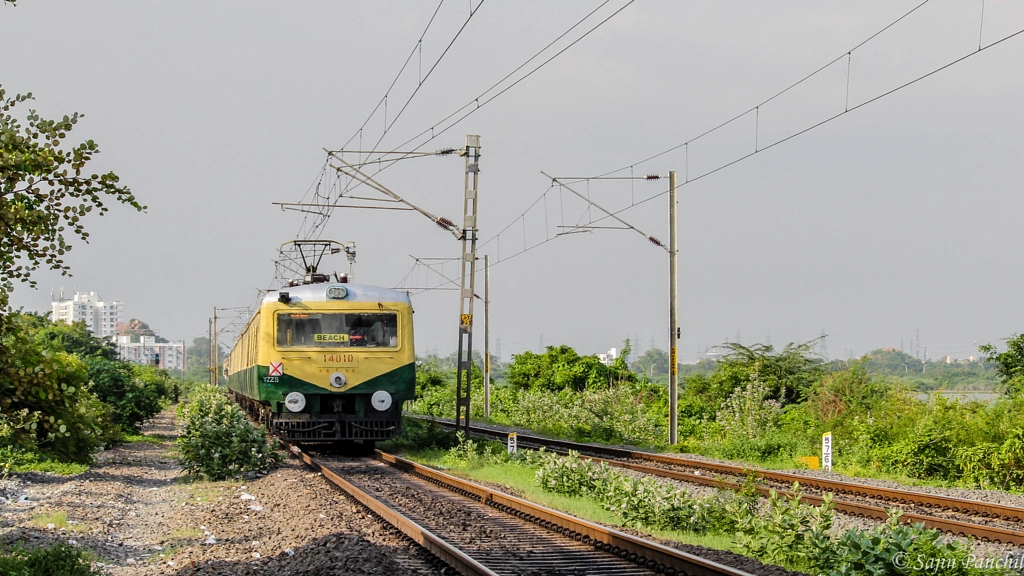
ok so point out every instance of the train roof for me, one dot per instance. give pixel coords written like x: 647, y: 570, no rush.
x: 356, y: 293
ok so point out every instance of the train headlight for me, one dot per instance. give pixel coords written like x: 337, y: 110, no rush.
x: 295, y: 401
x: 337, y: 379
x: 381, y: 400
x: 337, y: 292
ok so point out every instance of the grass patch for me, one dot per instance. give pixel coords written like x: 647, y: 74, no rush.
x: 522, y: 480
x: 146, y: 438
x: 203, y: 491
x: 19, y: 461
x: 179, y: 539
x: 59, y: 519
x: 185, y: 533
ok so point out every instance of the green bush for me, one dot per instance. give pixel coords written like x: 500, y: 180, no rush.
x: 992, y: 465
x: 765, y: 407
x: 785, y: 532
x: 639, y: 501
x: 56, y: 560
x: 133, y: 401
x: 48, y: 406
x: 630, y: 413
x: 895, y: 549
x: 781, y: 531
x: 927, y: 453
x: 217, y: 441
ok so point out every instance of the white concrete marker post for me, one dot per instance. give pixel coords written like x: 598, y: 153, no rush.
x: 826, y: 451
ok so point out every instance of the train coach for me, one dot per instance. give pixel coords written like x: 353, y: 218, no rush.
x: 326, y: 362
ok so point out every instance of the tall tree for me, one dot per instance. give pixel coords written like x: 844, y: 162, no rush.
x: 1009, y: 364
x: 45, y: 192
x: 789, y: 373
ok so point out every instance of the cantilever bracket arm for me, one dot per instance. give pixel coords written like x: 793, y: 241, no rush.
x: 354, y: 172
x: 628, y: 226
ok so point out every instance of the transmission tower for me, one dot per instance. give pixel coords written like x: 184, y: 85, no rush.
x: 823, y: 346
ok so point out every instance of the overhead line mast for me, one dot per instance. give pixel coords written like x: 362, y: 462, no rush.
x: 673, y: 256
x: 464, y: 375
x: 467, y: 234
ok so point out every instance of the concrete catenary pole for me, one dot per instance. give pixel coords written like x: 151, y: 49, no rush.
x: 673, y: 255
x: 487, y: 336
x: 464, y: 355
x: 209, y: 352
x: 215, y: 358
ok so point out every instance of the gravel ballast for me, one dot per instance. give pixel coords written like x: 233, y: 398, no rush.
x: 140, y: 515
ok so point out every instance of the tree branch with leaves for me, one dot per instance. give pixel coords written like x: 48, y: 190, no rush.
x: 45, y: 191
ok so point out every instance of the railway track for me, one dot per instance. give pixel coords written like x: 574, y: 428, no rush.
x: 1002, y: 524
x: 478, y: 531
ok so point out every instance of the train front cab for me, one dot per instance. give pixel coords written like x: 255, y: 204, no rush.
x: 338, y: 368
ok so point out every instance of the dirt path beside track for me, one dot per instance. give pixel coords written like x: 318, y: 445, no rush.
x: 140, y: 514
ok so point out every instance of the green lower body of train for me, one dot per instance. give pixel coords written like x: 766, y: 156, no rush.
x: 326, y: 415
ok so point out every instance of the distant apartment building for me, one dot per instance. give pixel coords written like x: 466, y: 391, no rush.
x: 100, y: 317
x: 167, y: 355
x: 609, y: 357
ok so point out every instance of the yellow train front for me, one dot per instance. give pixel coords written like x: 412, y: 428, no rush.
x: 327, y: 362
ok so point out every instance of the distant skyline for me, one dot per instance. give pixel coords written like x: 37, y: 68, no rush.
x: 899, y: 216
x: 651, y: 341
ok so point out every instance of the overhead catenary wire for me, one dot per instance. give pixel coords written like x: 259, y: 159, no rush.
x: 317, y: 228
x: 433, y: 130
x: 685, y: 146
x: 387, y: 125
x: 418, y: 47
x: 777, y: 94
x: 475, y: 104
x: 831, y: 118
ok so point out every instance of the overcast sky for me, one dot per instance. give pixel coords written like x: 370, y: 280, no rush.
x: 902, y: 215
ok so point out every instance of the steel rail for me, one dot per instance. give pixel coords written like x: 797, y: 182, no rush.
x: 657, y: 557
x: 894, y: 495
x: 650, y: 554
x: 436, y: 546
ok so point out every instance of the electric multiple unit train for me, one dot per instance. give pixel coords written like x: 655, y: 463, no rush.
x: 325, y: 361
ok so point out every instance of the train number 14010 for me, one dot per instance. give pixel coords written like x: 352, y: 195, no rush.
x: 339, y: 358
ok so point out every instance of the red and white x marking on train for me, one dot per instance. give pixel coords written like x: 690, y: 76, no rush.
x: 277, y: 368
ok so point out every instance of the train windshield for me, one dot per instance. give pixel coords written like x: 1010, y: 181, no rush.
x: 337, y: 330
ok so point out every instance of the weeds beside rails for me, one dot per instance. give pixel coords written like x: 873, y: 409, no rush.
x: 779, y: 531
x: 217, y: 441
x: 55, y: 560
x: 468, y: 453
